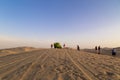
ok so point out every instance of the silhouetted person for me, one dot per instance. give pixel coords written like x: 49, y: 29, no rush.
x: 113, y: 52
x: 78, y: 48
x: 96, y: 49
x: 99, y: 49
x: 63, y: 45
x: 51, y: 45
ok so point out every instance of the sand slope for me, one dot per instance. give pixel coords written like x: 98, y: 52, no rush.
x: 59, y: 64
x: 4, y: 52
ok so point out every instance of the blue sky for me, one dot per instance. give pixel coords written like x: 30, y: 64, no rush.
x: 39, y: 23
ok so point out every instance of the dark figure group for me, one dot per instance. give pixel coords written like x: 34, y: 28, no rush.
x: 53, y: 46
x: 64, y: 46
x: 97, y: 49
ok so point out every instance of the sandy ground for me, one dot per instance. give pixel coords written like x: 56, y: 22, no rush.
x: 59, y: 64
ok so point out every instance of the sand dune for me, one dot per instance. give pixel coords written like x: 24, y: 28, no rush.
x: 59, y: 64
x: 4, y: 52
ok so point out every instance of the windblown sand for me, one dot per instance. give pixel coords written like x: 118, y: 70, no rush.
x: 59, y: 64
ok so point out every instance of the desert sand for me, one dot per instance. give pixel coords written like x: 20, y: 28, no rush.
x: 59, y: 64
x: 17, y: 50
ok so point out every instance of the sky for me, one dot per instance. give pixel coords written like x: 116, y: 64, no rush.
x: 39, y: 23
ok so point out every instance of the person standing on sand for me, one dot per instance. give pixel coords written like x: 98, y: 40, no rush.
x: 99, y: 49
x: 78, y: 48
x: 63, y: 45
x: 113, y: 52
x: 51, y: 45
x: 96, y: 49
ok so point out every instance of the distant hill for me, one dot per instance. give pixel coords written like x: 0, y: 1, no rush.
x: 15, y: 50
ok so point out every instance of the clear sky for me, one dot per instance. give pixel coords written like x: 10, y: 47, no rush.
x: 39, y: 23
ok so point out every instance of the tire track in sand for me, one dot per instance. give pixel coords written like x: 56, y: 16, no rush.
x: 35, y: 72
x: 43, y: 74
x: 4, y: 71
x: 27, y: 55
x: 82, y: 69
x: 30, y: 67
x: 16, y: 61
